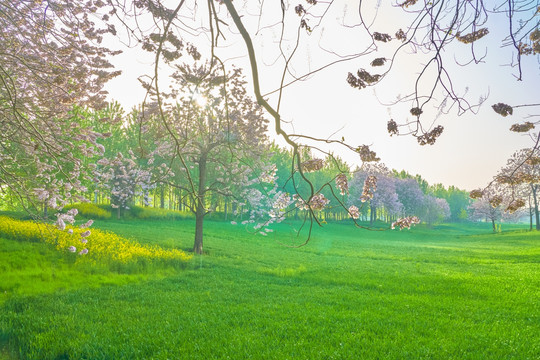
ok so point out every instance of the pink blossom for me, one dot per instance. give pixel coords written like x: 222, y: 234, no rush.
x: 406, y: 222
x: 370, y: 186
x: 60, y: 224
x: 72, y: 212
x: 342, y: 184
x: 354, y: 212
x: 41, y: 194
x: 269, y: 176
x: 86, y: 224
x: 312, y: 165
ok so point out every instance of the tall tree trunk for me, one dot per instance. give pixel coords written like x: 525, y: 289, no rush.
x: 200, y: 211
x: 182, y: 201
x: 493, y: 224
x: 530, y: 214
x: 162, y: 200
x: 536, y: 215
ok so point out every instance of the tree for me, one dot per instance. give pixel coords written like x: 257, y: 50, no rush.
x: 492, y: 204
x: 521, y: 176
x: 435, y: 210
x: 124, y: 179
x: 458, y: 200
x: 217, y: 134
x: 50, y: 59
x: 386, y: 197
x: 410, y: 195
x: 374, y: 185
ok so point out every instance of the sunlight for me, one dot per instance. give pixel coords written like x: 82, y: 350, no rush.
x: 200, y: 99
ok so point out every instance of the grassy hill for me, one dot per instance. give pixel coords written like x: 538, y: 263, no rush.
x: 451, y: 292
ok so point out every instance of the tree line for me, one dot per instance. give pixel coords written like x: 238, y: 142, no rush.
x: 209, y: 153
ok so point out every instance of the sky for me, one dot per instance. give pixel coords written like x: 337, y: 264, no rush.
x: 472, y: 148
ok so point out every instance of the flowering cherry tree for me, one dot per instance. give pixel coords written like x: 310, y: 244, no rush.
x: 124, y: 179
x: 217, y: 134
x: 51, y: 59
x: 490, y: 204
x: 521, y: 178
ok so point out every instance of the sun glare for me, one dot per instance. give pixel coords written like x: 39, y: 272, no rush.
x: 200, y: 100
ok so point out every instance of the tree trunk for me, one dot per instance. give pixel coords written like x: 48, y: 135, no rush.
x: 536, y: 215
x: 162, y: 200
x: 200, y: 211
x: 530, y: 214
x: 493, y: 224
x: 181, y: 205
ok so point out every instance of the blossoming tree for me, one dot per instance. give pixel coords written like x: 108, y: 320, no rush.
x: 51, y: 59
x: 217, y: 134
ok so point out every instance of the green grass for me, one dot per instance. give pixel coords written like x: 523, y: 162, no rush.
x: 452, y: 292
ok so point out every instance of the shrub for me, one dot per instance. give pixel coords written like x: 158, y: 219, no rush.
x: 90, y: 211
x: 158, y: 213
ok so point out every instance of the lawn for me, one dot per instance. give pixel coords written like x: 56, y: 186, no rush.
x: 451, y: 292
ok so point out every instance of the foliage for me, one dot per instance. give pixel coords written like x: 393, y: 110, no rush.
x: 90, y: 211
x: 149, y: 213
x: 435, y: 210
x: 458, y: 200
x: 51, y: 59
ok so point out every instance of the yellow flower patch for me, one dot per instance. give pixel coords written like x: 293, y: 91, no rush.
x: 102, y: 245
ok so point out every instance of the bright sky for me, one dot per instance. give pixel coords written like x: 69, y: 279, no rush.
x: 467, y: 155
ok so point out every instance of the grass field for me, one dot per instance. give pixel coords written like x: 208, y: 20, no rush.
x: 452, y: 292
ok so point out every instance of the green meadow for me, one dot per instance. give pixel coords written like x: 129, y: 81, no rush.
x: 448, y: 292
